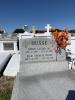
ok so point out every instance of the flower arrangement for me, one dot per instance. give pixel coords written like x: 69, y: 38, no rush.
x: 61, y: 38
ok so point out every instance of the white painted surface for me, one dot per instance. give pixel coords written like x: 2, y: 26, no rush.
x: 3, y: 58
x: 48, y: 27
x: 25, y: 35
x: 13, y: 66
x: 72, y: 46
x: 2, y: 46
x: 15, y: 46
x: 31, y: 35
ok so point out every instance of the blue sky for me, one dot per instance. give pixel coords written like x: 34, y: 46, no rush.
x: 16, y: 13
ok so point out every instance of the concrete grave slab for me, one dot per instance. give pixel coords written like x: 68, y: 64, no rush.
x: 4, y: 58
x: 42, y: 67
x: 41, y: 72
x: 13, y: 66
x: 46, y: 86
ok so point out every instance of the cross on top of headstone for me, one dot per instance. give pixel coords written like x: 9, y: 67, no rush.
x: 48, y: 27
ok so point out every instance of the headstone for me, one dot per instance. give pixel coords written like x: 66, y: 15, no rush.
x: 37, y: 49
x: 37, y: 59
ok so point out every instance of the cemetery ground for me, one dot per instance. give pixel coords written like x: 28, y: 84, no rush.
x: 6, y: 87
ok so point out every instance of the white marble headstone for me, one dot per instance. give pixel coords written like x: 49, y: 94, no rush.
x: 37, y: 49
x: 38, y: 58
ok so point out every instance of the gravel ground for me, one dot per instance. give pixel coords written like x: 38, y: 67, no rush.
x: 6, y: 86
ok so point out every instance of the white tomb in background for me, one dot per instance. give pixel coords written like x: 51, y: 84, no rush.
x: 8, y: 45
x: 70, y: 49
x: 31, y: 35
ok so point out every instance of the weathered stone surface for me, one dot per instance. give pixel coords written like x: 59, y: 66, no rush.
x: 37, y: 49
x: 46, y: 86
x: 41, y: 67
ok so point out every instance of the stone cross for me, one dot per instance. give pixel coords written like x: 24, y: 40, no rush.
x: 48, y: 27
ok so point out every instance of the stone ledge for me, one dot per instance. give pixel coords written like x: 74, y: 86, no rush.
x: 37, y: 68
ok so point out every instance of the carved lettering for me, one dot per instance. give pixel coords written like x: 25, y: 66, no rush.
x: 39, y: 42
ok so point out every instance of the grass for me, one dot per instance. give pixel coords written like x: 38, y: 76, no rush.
x: 5, y: 95
x: 6, y: 86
